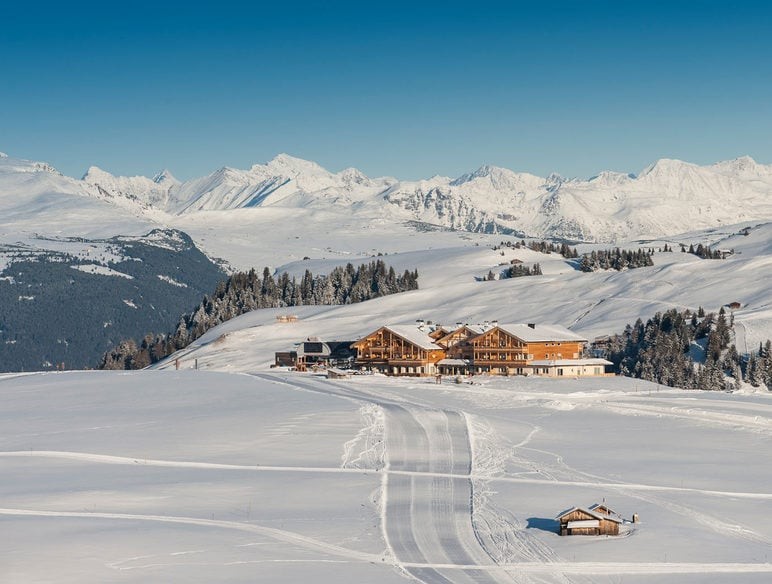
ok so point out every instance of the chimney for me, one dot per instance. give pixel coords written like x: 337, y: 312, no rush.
x: 532, y: 325
x: 495, y: 323
x: 459, y: 324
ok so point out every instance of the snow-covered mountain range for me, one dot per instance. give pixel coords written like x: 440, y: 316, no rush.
x: 670, y: 196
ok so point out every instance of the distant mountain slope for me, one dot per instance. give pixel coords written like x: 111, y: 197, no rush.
x: 36, y: 199
x: 668, y: 197
x: 68, y: 300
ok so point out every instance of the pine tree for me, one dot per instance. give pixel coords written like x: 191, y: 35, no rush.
x: 753, y: 372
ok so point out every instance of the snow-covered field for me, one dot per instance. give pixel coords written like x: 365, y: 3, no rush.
x: 199, y: 476
x: 239, y: 473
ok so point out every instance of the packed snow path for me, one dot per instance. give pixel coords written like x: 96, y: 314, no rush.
x: 427, y: 518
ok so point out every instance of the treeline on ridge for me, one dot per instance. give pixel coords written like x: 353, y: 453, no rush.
x: 246, y: 291
x: 615, y: 259
x: 609, y: 259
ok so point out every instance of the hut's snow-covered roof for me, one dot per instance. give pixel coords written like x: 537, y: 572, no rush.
x: 593, y: 514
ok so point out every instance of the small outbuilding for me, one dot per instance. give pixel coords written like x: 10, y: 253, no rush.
x: 581, y: 521
x: 453, y: 366
x: 315, y: 353
x: 285, y: 358
x: 335, y: 373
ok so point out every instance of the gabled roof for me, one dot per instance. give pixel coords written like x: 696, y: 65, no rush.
x: 540, y: 333
x: 593, y: 514
x: 411, y: 333
x: 474, y: 330
x: 414, y: 335
x: 599, y: 508
x: 439, y: 332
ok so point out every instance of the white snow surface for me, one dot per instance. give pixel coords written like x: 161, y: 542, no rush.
x: 203, y: 476
x: 100, y: 270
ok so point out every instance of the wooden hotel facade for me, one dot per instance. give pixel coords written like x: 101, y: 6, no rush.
x: 506, y: 349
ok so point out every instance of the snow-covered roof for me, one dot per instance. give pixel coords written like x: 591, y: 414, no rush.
x: 593, y: 514
x: 569, y: 362
x: 540, y: 332
x: 413, y: 334
x: 477, y: 329
x: 598, y: 508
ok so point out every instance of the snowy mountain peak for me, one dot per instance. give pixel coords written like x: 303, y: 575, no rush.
x: 165, y: 177
x: 11, y: 165
x: 667, y: 166
x: 609, y: 177
x: 485, y: 171
x: 744, y: 162
x: 286, y: 164
x: 555, y: 178
x: 354, y: 176
x: 93, y: 174
x: 744, y: 165
x: 136, y: 191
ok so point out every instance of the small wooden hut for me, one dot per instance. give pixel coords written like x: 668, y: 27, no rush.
x: 581, y: 521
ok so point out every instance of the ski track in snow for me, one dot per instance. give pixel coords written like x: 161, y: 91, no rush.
x: 752, y: 423
x: 426, y: 503
x: 548, y: 477
x: 474, y: 570
x: 365, y: 450
x: 279, y: 534
x: 500, y: 532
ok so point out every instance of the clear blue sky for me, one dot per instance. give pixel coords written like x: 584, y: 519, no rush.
x: 390, y: 88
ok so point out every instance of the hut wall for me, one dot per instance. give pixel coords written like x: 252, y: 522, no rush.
x: 609, y: 527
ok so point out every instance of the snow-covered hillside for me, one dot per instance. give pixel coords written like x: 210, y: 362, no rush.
x: 592, y: 304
